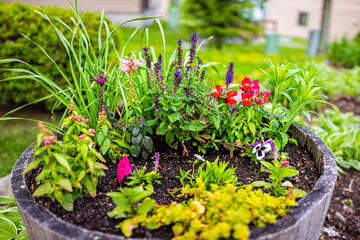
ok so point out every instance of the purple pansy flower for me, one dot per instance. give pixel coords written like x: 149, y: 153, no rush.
x: 261, y: 148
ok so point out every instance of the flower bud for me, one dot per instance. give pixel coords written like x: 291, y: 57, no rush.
x: 92, y: 130
x: 75, y: 118
x: 47, y: 142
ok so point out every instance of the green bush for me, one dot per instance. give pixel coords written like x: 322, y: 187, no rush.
x: 219, y: 18
x: 17, y: 19
x: 345, y: 53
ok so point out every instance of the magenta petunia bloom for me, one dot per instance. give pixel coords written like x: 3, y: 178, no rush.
x: 123, y: 169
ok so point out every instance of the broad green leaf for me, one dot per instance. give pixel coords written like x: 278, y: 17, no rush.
x: 194, y: 126
x: 145, y: 206
x: 169, y: 137
x: 65, y: 184
x: 105, y: 146
x: 8, y: 229
x: 100, y: 138
x: 32, y: 165
x: 122, y: 143
x: 43, y: 189
x: 252, y: 128
x: 174, y: 116
x: 84, y: 151
x: 148, y: 144
x: 62, y: 160
x: 301, y: 193
x: 135, y: 150
x: 68, y: 202
x: 59, y: 196
x: 135, y: 131
x: 98, y: 155
x: 258, y: 183
x: 152, y: 122
x: 136, y: 140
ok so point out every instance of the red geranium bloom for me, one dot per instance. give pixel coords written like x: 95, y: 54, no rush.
x: 246, y: 97
x: 218, y: 92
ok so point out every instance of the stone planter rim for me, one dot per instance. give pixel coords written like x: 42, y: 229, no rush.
x: 320, y: 194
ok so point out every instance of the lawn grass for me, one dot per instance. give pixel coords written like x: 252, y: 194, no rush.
x: 16, y: 136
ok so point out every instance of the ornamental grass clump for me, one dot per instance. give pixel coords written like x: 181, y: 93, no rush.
x: 119, y: 108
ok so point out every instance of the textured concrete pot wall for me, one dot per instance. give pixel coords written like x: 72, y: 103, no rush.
x: 303, y: 222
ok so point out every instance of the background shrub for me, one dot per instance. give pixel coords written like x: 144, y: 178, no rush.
x: 345, y: 53
x: 220, y: 18
x: 16, y: 18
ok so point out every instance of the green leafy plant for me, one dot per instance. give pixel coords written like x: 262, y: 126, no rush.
x: 220, y: 213
x: 345, y: 53
x: 341, y: 132
x: 278, y: 171
x: 220, y: 18
x: 71, y: 166
x: 141, y: 177
x: 211, y: 173
x: 11, y: 224
x: 301, y: 90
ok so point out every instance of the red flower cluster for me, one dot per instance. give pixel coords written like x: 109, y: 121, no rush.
x: 251, y: 91
x: 230, y: 95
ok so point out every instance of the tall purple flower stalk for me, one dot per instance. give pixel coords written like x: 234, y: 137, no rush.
x: 230, y: 74
x: 158, y: 72
x: 147, y: 58
x: 101, y: 81
x: 179, y: 55
x: 177, y: 79
x: 193, y: 40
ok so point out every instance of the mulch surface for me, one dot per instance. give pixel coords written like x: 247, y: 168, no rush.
x: 343, y: 218
x: 91, y: 213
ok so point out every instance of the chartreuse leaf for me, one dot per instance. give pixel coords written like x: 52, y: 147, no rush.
x: 152, y: 122
x: 8, y: 229
x: 105, y: 146
x: 62, y: 160
x: 122, y: 143
x: 301, y: 193
x: 174, y: 116
x: 32, y: 165
x: 98, y: 155
x: 127, y: 227
x: 43, y: 189
x: 169, y: 137
x: 258, y: 183
x: 68, y: 203
x: 65, y: 184
x: 145, y: 206
x: 194, y: 126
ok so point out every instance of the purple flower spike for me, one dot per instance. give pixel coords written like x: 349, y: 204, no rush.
x: 101, y: 80
x: 230, y: 74
x: 157, y: 158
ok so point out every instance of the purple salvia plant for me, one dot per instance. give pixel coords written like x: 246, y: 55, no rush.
x: 230, y: 74
x: 157, y: 158
x: 193, y: 40
x: 202, y: 75
x: 147, y: 58
x: 158, y: 72
x: 179, y: 55
x: 101, y: 81
x: 177, y: 79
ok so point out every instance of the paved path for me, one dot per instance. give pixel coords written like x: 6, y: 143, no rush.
x: 5, y: 186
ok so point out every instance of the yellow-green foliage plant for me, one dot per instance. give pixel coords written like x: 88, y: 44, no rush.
x: 220, y: 213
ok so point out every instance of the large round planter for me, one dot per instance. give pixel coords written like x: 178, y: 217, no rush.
x: 303, y: 222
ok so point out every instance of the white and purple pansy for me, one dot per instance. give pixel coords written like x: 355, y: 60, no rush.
x: 261, y: 148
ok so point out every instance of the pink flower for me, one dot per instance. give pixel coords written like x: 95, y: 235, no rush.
x: 125, y: 65
x: 129, y: 65
x: 285, y: 162
x: 81, y: 136
x: 123, y: 168
x: 47, y: 142
x: 52, y: 138
x: 92, y: 130
x: 75, y: 118
x: 87, y: 120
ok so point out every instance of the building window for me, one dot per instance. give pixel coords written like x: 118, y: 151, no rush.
x: 303, y: 17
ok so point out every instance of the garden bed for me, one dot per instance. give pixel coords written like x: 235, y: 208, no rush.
x: 91, y: 213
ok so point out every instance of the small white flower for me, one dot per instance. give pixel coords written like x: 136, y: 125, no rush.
x: 201, y: 158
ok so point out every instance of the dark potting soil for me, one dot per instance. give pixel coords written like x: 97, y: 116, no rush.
x: 343, y: 218
x: 91, y: 213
